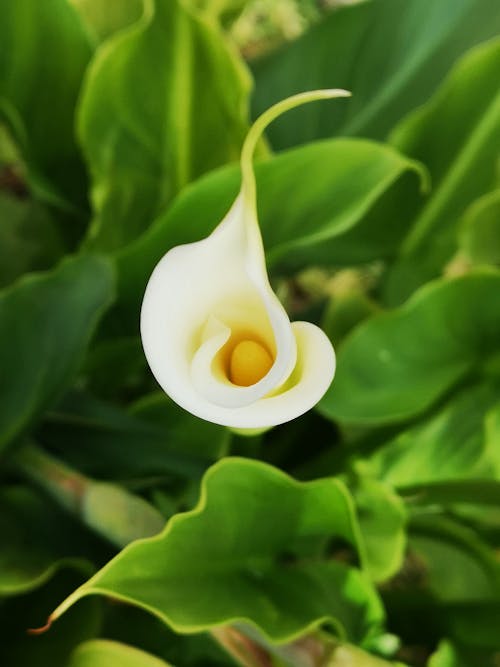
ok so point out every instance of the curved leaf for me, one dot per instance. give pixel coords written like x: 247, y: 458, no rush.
x: 106, y: 653
x: 389, y: 71
x: 38, y: 539
x: 46, y: 321
x: 43, y: 55
x: 103, y: 20
x: 480, y: 232
x: 139, y: 124
x: 382, y: 519
x: 327, y: 202
x: 256, y: 549
x: 457, y: 136
x: 398, y: 364
x: 450, y: 445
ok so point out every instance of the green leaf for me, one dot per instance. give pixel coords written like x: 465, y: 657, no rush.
x: 44, y: 53
x: 398, y: 364
x: 457, y: 136
x: 103, y: 20
x: 28, y: 238
x: 46, y: 321
x: 333, y: 201
x: 106, y: 653
x: 480, y: 233
x: 254, y: 549
x: 388, y: 71
x: 146, y: 130
x: 449, y: 655
x: 382, y: 518
x: 450, y: 445
x: 38, y: 539
x: 458, y: 566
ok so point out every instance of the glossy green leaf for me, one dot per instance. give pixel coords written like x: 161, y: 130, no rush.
x: 28, y: 238
x: 103, y: 20
x: 139, y: 122
x: 38, y: 539
x: 480, y: 233
x: 328, y: 202
x: 450, y: 445
x: 398, y: 364
x: 256, y: 549
x: 382, y: 518
x: 43, y: 55
x: 457, y: 136
x: 389, y: 71
x: 106, y: 653
x: 46, y: 321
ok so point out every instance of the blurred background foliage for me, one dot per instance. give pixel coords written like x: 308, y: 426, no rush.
x: 366, y: 532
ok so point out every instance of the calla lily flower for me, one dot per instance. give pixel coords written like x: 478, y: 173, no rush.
x: 215, y: 335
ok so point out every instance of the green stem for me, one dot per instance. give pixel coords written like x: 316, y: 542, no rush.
x: 65, y: 485
x: 108, y: 509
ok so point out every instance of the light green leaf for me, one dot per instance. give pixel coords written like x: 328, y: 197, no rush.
x: 106, y: 653
x: 330, y: 202
x: 450, y: 445
x: 382, y: 518
x: 457, y: 136
x: 449, y: 655
x: 149, y: 129
x: 104, y: 19
x: 38, y: 539
x: 255, y: 549
x: 46, y: 321
x: 389, y: 71
x: 398, y: 364
x: 43, y: 56
x: 480, y: 233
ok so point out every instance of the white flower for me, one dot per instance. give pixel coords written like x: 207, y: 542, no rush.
x: 216, y: 337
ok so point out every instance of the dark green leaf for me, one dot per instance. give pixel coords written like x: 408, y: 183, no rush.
x: 37, y: 540
x: 46, y: 321
x: 389, y: 71
x: 159, y: 440
x: 43, y: 55
x: 28, y: 238
x: 51, y: 649
x: 457, y: 136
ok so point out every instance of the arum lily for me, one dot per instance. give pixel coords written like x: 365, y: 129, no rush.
x: 215, y: 335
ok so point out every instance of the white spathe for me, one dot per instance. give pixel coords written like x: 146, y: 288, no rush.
x: 205, y: 297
